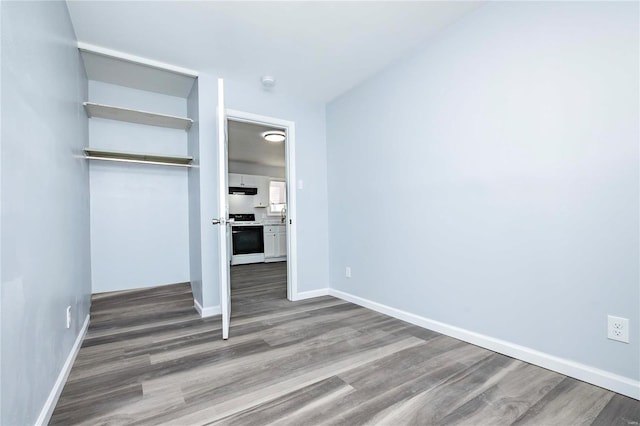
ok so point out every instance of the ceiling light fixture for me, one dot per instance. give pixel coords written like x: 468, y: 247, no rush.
x: 274, y: 136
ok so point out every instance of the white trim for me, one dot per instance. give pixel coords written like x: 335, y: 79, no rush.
x: 598, y: 377
x: 210, y: 311
x: 290, y: 148
x: 311, y: 294
x: 103, y: 51
x: 54, y: 395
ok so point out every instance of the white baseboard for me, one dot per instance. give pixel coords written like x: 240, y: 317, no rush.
x: 310, y: 294
x: 210, y: 311
x: 52, y: 400
x: 586, y: 373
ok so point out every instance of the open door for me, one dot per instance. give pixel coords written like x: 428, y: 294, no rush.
x: 223, y: 214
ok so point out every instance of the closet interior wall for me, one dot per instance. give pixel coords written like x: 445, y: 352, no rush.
x: 139, y: 212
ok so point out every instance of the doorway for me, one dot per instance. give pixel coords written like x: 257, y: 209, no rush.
x: 261, y: 194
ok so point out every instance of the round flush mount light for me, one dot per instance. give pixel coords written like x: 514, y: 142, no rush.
x: 274, y: 136
x: 268, y: 82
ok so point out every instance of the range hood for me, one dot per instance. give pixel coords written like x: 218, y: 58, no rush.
x: 242, y: 190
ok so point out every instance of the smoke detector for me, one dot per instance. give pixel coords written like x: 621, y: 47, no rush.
x: 268, y: 82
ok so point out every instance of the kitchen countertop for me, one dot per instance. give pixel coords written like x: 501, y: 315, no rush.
x: 256, y: 223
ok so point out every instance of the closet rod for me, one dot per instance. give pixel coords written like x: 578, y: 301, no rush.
x: 124, y: 160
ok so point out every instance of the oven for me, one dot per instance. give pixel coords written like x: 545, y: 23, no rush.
x: 247, y: 239
x: 247, y: 243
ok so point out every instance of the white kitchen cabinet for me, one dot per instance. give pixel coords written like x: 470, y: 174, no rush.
x: 262, y: 198
x: 269, y: 244
x: 281, y: 241
x: 275, y: 243
x: 236, y: 179
x: 248, y: 180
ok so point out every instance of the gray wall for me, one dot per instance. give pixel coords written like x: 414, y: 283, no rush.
x: 312, y: 227
x: 311, y: 167
x: 45, y: 203
x: 501, y: 166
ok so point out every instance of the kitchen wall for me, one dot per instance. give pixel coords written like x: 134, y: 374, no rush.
x: 45, y: 262
x: 244, y: 168
x: 139, y: 212
x: 502, y: 162
x: 245, y: 203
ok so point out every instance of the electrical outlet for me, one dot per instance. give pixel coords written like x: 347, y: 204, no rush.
x: 347, y: 272
x: 68, y: 316
x: 618, y: 329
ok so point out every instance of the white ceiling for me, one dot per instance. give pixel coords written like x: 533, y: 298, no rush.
x: 316, y: 50
x: 246, y: 144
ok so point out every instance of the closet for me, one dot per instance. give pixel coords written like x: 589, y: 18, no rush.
x: 142, y: 148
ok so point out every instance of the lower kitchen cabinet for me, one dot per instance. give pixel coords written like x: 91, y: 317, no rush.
x: 275, y: 243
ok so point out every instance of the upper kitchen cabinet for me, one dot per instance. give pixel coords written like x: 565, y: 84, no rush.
x: 261, y: 183
x: 261, y: 200
x: 236, y: 179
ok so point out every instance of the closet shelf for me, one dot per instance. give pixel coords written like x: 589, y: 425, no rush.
x: 130, y: 157
x: 136, y: 116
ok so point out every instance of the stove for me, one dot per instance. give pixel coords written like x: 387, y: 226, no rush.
x: 243, y: 219
x: 247, y: 239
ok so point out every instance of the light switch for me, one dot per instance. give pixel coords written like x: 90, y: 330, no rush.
x: 300, y: 184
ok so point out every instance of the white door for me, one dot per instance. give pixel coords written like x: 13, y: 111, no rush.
x: 223, y: 213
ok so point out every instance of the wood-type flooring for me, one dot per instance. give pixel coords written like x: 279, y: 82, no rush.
x: 149, y: 359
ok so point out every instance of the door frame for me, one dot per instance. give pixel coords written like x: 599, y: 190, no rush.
x: 290, y: 178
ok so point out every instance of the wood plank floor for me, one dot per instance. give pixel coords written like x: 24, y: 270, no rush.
x: 149, y: 359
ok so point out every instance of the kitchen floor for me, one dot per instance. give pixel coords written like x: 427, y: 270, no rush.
x: 258, y: 288
x: 148, y: 358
